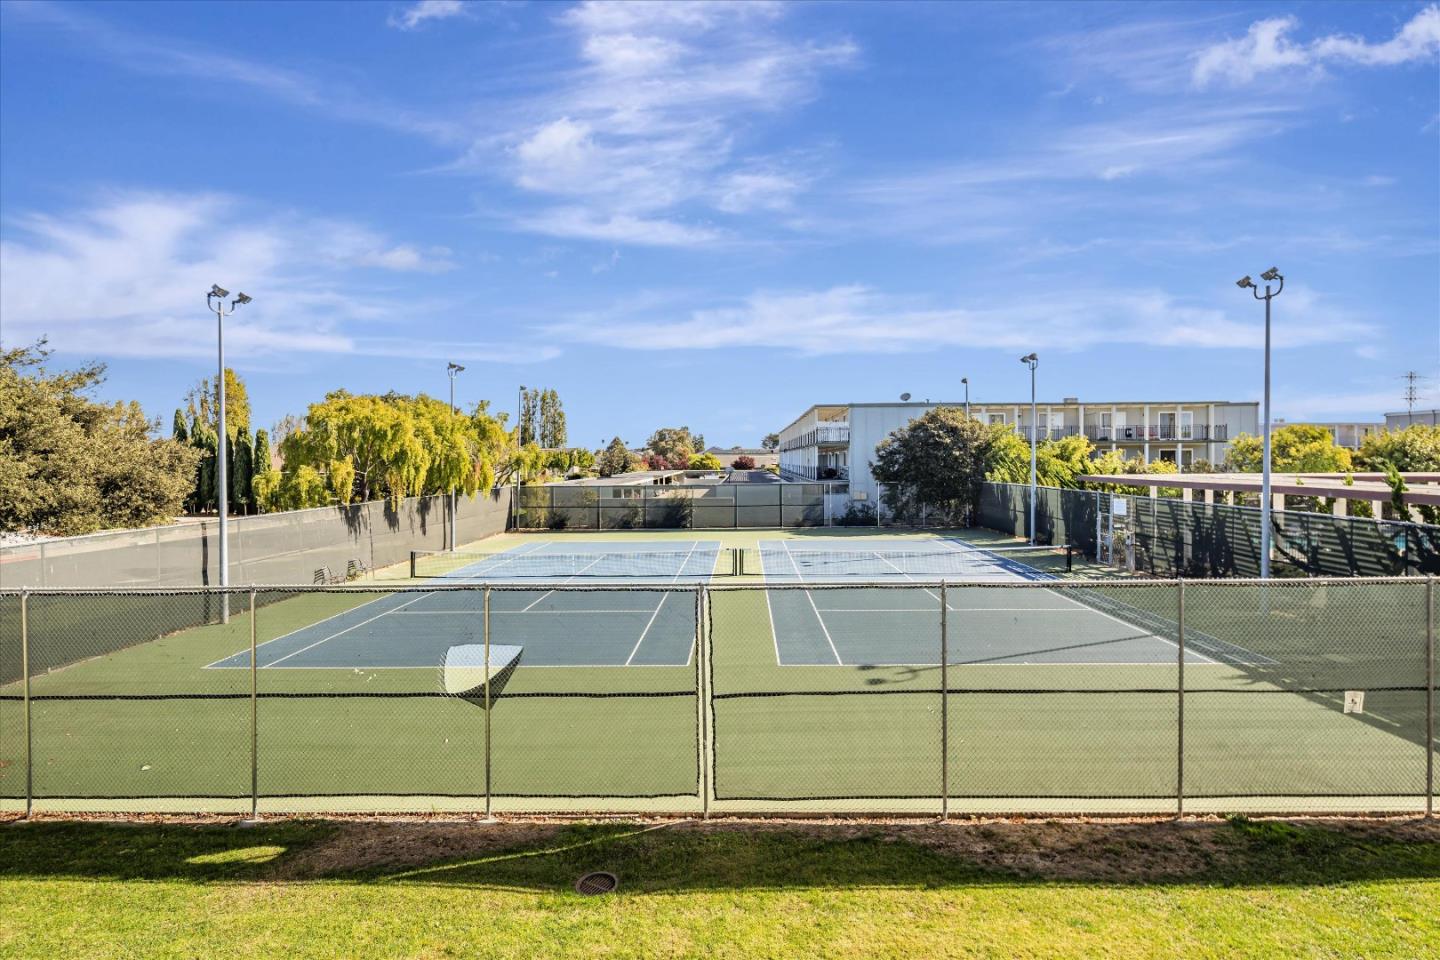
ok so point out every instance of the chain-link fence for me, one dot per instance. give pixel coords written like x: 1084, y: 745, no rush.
x: 724, y: 506
x: 867, y: 697
x: 298, y: 546
x: 1173, y: 537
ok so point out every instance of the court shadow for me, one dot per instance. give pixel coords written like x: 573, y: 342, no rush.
x: 679, y: 856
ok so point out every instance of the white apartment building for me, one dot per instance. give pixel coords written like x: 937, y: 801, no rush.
x: 837, y: 440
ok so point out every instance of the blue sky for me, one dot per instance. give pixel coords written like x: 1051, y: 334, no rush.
x: 717, y: 215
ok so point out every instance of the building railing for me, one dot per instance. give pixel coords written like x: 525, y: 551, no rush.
x: 827, y: 433
x: 1139, y: 433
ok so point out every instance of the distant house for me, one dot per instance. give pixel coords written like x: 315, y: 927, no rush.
x: 763, y: 458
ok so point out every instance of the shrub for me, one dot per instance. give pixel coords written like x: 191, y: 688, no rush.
x: 743, y: 462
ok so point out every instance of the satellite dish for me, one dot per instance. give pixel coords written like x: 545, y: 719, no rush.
x: 904, y: 396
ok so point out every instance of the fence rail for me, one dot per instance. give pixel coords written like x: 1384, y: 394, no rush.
x: 937, y: 698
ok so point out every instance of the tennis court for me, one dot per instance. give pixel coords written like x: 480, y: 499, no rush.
x: 886, y: 627
x: 824, y: 685
x: 555, y: 627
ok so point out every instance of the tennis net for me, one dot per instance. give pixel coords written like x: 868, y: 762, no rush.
x: 470, y: 565
x: 999, y: 563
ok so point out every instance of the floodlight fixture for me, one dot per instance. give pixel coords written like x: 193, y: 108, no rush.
x: 241, y: 298
x: 1271, y: 275
x: 218, y: 291
x: 1245, y: 282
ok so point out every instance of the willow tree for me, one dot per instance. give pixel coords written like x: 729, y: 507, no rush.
x: 391, y: 447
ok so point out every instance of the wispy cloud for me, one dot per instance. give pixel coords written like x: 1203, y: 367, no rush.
x: 422, y: 11
x: 643, y: 140
x: 859, y: 319
x: 126, y: 277
x: 1267, y: 48
x: 157, y: 55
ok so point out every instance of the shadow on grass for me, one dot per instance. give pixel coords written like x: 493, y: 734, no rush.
x: 681, y: 857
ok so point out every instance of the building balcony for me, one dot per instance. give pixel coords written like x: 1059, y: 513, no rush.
x: 809, y: 473
x: 1134, y: 433
x: 829, y: 434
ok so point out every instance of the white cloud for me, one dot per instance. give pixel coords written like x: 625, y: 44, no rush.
x: 647, y: 135
x: 423, y: 10
x: 858, y: 319
x: 1266, y: 47
x: 126, y: 277
x: 583, y: 224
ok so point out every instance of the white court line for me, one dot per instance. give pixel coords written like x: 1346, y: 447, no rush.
x: 386, y: 595
x: 508, y: 556
x: 811, y: 597
x: 663, y: 597
x: 348, y: 629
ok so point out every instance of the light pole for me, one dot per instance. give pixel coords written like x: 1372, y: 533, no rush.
x: 215, y: 300
x: 519, y: 440
x: 966, y: 381
x: 452, y: 370
x: 1032, y: 361
x: 1269, y: 276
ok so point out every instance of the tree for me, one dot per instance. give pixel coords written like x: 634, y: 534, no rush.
x: 671, y: 448
x: 743, y: 462
x: 260, y: 465
x: 202, y: 403
x: 1294, y: 448
x: 241, y: 471
x: 615, y: 459
x: 529, y: 425
x: 179, y: 432
x: 771, y: 442
x: 392, y: 446
x: 71, y: 465
x: 704, y: 461
x: 1414, y: 449
x: 552, y: 420
x: 939, y: 459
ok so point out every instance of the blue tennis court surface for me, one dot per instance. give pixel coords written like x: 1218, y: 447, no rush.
x: 650, y: 625
x: 882, y: 626
x: 789, y: 561
x: 561, y: 561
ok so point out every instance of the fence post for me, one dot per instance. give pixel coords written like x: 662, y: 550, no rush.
x: 944, y: 701
x: 254, y: 720
x: 703, y: 781
x: 25, y: 674
x: 1430, y: 696
x: 487, y: 702
x: 1180, y: 700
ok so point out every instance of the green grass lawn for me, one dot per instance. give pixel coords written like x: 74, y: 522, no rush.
x: 355, y: 890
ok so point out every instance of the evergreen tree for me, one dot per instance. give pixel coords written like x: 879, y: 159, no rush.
x: 241, y: 471
x: 179, y: 431
x: 260, y: 464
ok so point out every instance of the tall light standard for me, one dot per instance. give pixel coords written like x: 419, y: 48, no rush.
x: 215, y: 300
x: 966, y: 381
x: 1269, y: 276
x: 452, y: 370
x: 519, y: 440
x: 1032, y: 361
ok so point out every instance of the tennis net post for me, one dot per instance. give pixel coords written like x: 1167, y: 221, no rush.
x: 414, y: 562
